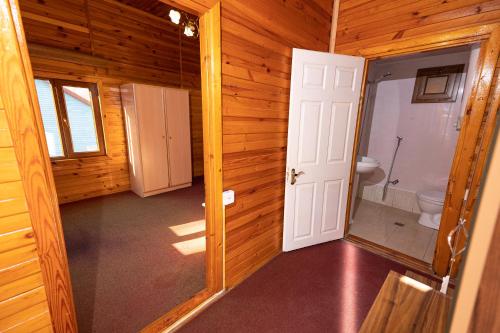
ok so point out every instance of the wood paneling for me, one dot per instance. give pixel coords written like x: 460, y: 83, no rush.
x: 23, y: 302
x: 363, y: 24
x: 110, y: 43
x: 155, y: 7
x: 192, y: 6
x: 257, y: 41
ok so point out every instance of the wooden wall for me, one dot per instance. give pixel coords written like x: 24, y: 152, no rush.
x: 257, y: 41
x: 109, y: 42
x: 485, y: 316
x: 367, y: 23
x: 23, y: 301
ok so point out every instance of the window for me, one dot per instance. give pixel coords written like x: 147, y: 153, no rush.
x: 71, y: 118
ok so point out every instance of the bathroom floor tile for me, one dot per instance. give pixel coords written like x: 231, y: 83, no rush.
x: 429, y: 253
x: 393, y: 228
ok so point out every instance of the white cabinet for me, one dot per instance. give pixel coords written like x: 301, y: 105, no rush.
x: 158, y: 134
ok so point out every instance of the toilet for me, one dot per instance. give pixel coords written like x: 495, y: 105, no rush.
x: 431, y: 205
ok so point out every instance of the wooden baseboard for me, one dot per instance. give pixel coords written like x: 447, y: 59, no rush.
x: 163, y: 190
x: 233, y: 282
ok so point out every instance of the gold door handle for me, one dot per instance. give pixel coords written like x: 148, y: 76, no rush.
x: 293, y: 176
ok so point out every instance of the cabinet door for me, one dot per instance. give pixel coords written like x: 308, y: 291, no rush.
x: 179, y: 136
x: 153, y: 140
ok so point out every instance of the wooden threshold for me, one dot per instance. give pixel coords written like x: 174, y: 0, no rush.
x: 177, y: 313
x: 400, y: 258
x: 195, y: 312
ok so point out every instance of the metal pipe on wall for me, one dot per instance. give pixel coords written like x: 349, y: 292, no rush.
x: 389, y: 181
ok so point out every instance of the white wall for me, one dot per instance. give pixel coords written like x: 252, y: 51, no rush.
x: 428, y: 129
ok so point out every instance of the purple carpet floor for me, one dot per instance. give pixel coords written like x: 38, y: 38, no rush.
x: 324, y: 288
x: 132, y: 259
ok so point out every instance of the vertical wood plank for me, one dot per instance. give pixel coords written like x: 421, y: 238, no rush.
x: 465, y: 161
x: 210, y: 53
x: 17, y: 91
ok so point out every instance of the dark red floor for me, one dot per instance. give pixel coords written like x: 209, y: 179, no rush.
x: 324, y: 288
x: 125, y: 270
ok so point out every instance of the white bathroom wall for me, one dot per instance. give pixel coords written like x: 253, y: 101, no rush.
x: 429, y: 132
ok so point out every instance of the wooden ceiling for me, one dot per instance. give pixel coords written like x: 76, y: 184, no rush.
x: 154, y: 7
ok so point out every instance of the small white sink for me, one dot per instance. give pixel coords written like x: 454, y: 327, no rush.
x: 366, y: 165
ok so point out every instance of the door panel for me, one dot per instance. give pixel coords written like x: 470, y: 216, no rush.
x: 149, y: 100
x: 331, y: 207
x: 339, y: 128
x: 304, y: 193
x: 324, y: 98
x: 310, y: 131
x: 179, y: 138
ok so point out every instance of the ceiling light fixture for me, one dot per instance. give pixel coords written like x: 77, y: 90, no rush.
x: 190, y: 29
x: 175, y: 16
x: 185, y: 21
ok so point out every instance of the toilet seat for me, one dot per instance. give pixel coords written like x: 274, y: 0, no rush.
x: 436, y: 197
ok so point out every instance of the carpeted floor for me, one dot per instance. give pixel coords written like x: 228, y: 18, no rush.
x: 133, y: 259
x: 324, y: 288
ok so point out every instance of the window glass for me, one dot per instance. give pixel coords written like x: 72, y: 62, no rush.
x: 49, y: 117
x: 81, y: 119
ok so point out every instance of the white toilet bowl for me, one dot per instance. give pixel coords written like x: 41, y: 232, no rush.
x: 431, y: 205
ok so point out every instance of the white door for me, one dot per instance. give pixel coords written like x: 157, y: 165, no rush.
x: 149, y: 105
x: 179, y: 137
x: 324, y: 98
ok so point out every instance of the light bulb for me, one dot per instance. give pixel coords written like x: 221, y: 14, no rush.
x: 189, y: 30
x: 175, y: 16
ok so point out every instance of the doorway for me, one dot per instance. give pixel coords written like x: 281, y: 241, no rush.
x: 473, y: 140
x: 126, y: 154
x: 414, y: 106
x: 24, y: 116
x: 471, y: 150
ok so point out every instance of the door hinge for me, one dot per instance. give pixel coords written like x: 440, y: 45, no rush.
x: 466, y: 195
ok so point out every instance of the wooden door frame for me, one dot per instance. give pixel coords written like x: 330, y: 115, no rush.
x: 18, y: 93
x: 211, y: 91
x: 467, y: 166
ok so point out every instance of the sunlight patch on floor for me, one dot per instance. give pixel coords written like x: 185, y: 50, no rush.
x: 192, y: 246
x: 188, y: 228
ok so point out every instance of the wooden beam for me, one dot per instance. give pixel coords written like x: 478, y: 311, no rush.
x: 211, y: 60
x: 335, y: 19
